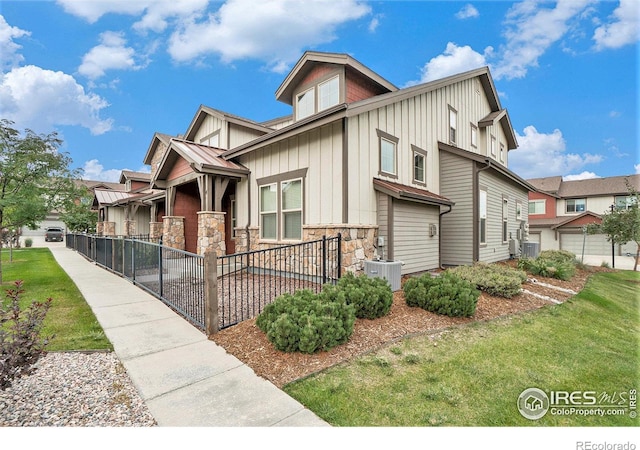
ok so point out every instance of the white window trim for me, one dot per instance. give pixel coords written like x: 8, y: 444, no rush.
x: 518, y: 210
x: 382, y: 136
x: 493, y: 146
x: 269, y: 212
x: 453, y: 127
x: 574, y: 200
x: 280, y: 232
x: 505, y: 220
x: 312, y: 90
x: 501, y: 152
x: 538, y: 201
x: 474, y: 136
x: 335, y: 79
x: 482, y: 239
x: 423, y: 154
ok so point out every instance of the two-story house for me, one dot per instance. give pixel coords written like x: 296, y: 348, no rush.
x: 424, y: 168
x: 559, y: 210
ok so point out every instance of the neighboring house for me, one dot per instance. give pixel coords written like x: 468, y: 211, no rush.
x: 53, y: 217
x: 126, y: 211
x: 423, y: 168
x: 559, y: 210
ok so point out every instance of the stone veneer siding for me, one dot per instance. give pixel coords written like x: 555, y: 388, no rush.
x: 357, y: 241
x: 173, y: 232
x: 155, y: 230
x: 109, y: 229
x: 99, y: 228
x: 129, y: 228
x: 211, y: 232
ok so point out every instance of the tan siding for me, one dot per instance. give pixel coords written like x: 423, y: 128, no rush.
x: 319, y: 151
x: 383, y: 220
x: 497, y: 187
x: 240, y: 135
x: 209, y: 125
x: 456, y: 184
x: 411, y: 241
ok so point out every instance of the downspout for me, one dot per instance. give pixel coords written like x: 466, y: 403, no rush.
x: 476, y: 218
x: 440, y: 236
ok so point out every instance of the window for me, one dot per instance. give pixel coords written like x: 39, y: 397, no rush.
x: 624, y: 201
x: 518, y: 210
x: 474, y: 136
x: 292, y: 209
x: 419, y: 166
x: 505, y: 219
x: 269, y: 211
x: 212, y: 140
x: 305, y: 104
x: 328, y: 93
x: 453, y: 125
x: 388, y: 154
x: 576, y: 205
x: 501, y: 152
x: 483, y: 216
x: 493, y: 146
x: 537, y: 206
x: 281, y: 208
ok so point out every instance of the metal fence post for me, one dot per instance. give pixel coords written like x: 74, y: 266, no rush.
x: 160, y: 269
x: 211, y: 292
x: 339, y: 274
x: 324, y: 259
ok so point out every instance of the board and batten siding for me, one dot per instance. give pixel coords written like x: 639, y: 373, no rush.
x: 239, y: 135
x: 411, y: 241
x: 320, y: 152
x: 421, y: 121
x: 210, y: 125
x: 456, y: 183
x: 383, y: 223
x: 498, y: 188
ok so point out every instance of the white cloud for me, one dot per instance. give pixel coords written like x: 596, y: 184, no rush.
x: 542, y: 154
x: 155, y: 13
x: 637, y: 168
x: 112, y: 53
x: 581, y: 176
x: 39, y: 99
x: 9, y: 56
x: 531, y: 30
x: 375, y: 22
x: 623, y: 30
x: 467, y: 12
x: 274, y: 31
x: 454, y: 60
x: 94, y: 171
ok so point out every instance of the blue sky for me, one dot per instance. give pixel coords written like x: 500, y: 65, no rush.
x: 106, y: 75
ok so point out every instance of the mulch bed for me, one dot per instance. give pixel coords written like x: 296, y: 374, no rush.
x: 250, y: 345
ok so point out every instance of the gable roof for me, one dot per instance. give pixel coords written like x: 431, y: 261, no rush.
x: 96, y: 184
x: 155, y: 140
x: 204, y: 111
x: 598, y: 186
x: 549, y: 185
x: 201, y: 158
x: 135, y: 176
x: 311, y: 59
x: 568, y: 220
x: 411, y: 193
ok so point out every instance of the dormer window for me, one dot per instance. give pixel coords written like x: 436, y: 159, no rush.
x: 328, y: 93
x: 305, y: 104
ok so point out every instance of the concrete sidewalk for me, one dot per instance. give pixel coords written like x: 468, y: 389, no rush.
x: 184, y: 378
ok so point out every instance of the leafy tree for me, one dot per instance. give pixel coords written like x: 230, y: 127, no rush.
x: 34, y: 178
x: 622, y: 224
x: 77, y: 213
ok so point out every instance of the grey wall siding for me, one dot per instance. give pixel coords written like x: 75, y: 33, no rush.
x: 411, y: 241
x: 383, y: 222
x: 456, y: 183
x: 497, y: 187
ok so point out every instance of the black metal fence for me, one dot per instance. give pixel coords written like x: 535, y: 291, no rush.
x: 248, y: 281
x: 237, y: 286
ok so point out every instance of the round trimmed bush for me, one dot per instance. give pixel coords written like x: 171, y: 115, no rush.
x: 371, y: 297
x: 447, y: 294
x: 307, y: 322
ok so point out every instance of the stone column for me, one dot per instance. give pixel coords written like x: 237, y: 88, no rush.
x: 173, y: 232
x: 211, y: 232
x: 155, y: 230
x: 129, y: 228
x: 109, y: 229
x: 99, y: 228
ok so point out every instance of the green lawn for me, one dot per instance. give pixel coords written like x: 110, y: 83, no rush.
x: 472, y: 376
x: 70, y: 319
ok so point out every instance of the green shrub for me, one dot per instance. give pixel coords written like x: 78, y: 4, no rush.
x: 371, y: 297
x: 549, y: 267
x: 308, y: 322
x: 447, y: 294
x: 28, y: 242
x: 561, y: 256
x: 21, y: 344
x: 494, y: 279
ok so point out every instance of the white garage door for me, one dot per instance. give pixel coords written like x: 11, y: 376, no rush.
x: 43, y: 227
x: 412, y: 243
x: 534, y: 237
x: 595, y: 244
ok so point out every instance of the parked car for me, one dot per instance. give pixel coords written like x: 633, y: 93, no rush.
x: 53, y: 234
